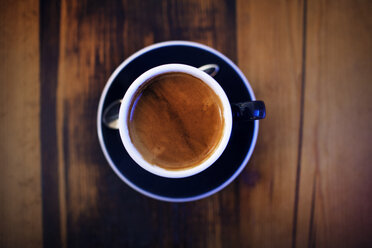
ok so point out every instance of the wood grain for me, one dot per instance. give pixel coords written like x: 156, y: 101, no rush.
x: 336, y: 189
x: 307, y: 184
x: 20, y: 191
x: 49, y: 53
x: 101, y: 210
x: 270, y: 53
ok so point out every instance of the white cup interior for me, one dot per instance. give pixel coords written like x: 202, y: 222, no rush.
x: 125, y: 110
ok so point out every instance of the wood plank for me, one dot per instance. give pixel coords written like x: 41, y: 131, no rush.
x: 336, y: 188
x: 52, y: 194
x: 270, y: 53
x: 100, y: 209
x: 20, y: 189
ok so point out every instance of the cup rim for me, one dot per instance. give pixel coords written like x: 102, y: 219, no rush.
x: 125, y: 110
x: 107, y: 87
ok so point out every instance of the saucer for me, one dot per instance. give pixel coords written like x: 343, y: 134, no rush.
x: 229, y: 164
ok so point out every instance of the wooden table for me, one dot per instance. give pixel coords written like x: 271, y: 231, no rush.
x: 308, y: 183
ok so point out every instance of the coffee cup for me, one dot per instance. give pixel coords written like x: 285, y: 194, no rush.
x: 175, y: 120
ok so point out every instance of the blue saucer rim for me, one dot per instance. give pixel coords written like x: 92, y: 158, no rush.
x: 100, y: 110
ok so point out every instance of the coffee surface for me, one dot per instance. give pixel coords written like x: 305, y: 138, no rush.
x: 175, y: 121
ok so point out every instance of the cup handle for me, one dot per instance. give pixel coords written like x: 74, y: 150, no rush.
x: 248, y: 111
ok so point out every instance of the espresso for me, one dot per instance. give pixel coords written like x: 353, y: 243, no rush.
x: 176, y: 121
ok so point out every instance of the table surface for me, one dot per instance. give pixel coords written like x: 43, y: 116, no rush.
x: 308, y: 183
